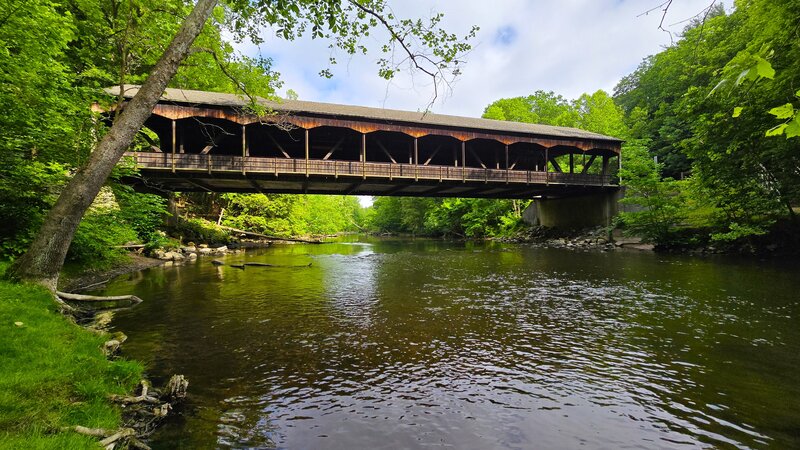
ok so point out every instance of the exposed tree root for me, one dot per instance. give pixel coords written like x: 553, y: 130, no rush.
x: 93, y: 298
x: 143, y: 397
x: 111, y: 438
x: 141, y: 417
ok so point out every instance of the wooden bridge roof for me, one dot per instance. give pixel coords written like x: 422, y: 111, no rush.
x: 470, y: 127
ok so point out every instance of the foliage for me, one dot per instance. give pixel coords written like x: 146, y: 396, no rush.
x: 291, y: 215
x: 142, y: 212
x: 195, y: 230
x: 100, y: 230
x: 541, y: 107
x: 747, y: 180
x: 658, y: 205
x: 53, y: 374
x: 471, y: 218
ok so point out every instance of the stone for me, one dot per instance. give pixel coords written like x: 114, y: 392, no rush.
x: 202, y: 246
x: 192, y: 255
x: 204, y: 250
x: 189, y: 249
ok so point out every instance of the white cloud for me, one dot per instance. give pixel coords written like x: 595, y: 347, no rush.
x: 567, y: 46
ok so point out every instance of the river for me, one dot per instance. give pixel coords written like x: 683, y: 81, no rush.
x: 420, y: 343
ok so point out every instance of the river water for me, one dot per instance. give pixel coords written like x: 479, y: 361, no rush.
x: 427, y: 344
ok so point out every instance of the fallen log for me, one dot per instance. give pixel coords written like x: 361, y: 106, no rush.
x: 256, y: 264
x: 274, y: 238
x: 95, y: 298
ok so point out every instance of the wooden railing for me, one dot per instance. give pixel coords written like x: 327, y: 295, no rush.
x: 282, y: 166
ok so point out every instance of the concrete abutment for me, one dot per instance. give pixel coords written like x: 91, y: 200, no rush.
x: 590, y: 210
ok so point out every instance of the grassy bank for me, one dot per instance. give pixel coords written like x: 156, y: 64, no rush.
x: 53, y: 374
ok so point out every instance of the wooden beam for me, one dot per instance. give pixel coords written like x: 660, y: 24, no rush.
x: 352, y: 188
x: 363, y: 156
x: 199, y: 184
x: 306, y: 148
x: 385, y: 151
x: 437, y: 189
x: 333, y: 149
x: 506, y: 163
x: 571, y: 163
x: 416, y: 159
x: 472, y: 151
x: 244, y: 149
x: 279, y: 146
x: 206, y: 149
x: 174, y: 137
x: 556, y: 167
x: 589, y: 164
x: 396, y: 189
x: 256, y: 186
x: 439, y: 147
x: 463, y: 161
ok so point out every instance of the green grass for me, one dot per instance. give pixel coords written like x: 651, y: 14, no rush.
x: 53, y: 374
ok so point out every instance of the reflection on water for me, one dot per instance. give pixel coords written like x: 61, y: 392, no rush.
x: 409, y: 344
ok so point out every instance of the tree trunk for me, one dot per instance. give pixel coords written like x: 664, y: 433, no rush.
x: 45, y: 257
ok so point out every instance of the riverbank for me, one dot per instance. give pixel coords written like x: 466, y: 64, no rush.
x: 54, y: 374
x: 597, y: 238
x: 782, y: 241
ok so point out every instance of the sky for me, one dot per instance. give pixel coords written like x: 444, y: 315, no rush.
x: 569, y: 47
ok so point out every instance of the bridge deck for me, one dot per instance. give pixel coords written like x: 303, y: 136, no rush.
x: 225, y: 173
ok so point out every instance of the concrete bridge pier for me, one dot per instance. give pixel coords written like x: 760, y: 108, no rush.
x: 591, y: 210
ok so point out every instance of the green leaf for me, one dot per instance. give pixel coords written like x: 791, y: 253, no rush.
x: 797, y: 94
x: 742, y: 76
x: 737, y: 111
x: 776, y: 131
x: 723, y: 82
x: 783, y: 112
x: 764, y: 68
x: 793, y: 128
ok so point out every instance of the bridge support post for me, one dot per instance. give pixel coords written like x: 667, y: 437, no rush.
x: 546, y: 169
x: 174, y: 139
x: 306, y: 145
x: 416, y: 159
x: 463, y: 161
x: 363, y: 156
x: 506, y: 163
x: 584, y: 211
x: 244, y: 150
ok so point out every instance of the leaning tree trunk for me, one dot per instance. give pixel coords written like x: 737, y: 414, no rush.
x: 45, y: 257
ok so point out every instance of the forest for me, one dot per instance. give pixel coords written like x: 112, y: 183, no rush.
x: 710, y: 126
